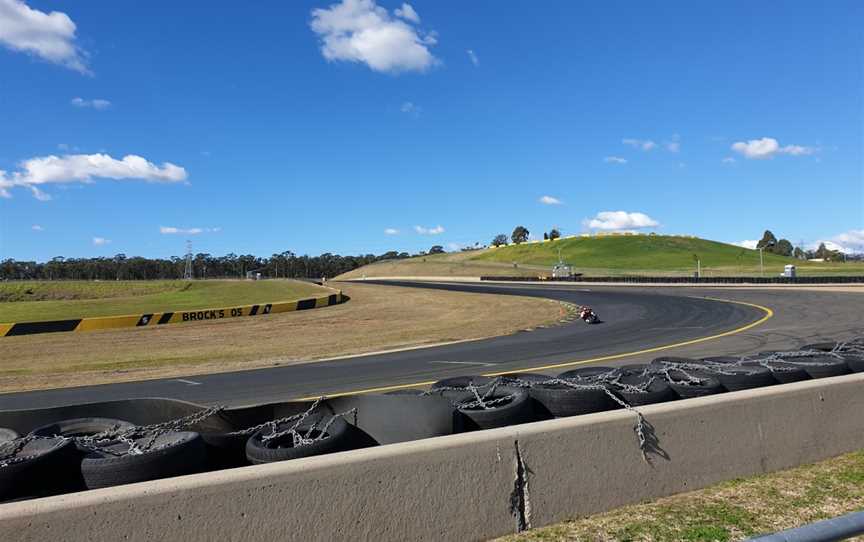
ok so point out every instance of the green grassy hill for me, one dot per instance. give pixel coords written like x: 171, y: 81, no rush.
x: 657, y: 255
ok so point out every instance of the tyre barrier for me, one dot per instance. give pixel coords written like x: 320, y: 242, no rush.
x: 58, y: 450
x: 162, y: 318
x: 685, y: 280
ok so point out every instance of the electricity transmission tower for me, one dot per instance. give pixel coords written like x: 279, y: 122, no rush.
x: 187, y: 273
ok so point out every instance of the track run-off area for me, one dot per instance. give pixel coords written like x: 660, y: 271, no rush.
x: 637, y: 325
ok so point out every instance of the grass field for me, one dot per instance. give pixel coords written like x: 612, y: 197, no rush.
x: 56, y: 300
x: 655, y: 255
x: 734, y: 510
x: 376, y: 318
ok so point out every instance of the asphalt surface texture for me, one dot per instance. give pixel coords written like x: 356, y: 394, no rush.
x: 633, y: 319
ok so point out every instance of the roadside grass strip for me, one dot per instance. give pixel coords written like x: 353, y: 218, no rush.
x: 734, y: 510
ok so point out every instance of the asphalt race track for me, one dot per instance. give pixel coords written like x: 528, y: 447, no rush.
x: 633, y: 320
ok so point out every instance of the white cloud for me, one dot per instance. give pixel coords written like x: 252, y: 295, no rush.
x: 362, y: 31
x: 391, y: 231
x: 429, y: 231
x: 614, y: 160
x: 50, y: 36
x: 620, y: 220
x: 747, y: 243
x: 171, y: 230
x: 549, y: 200
x: 407, y: 12
x: 473, y: 57
x: 37, y: 227
x: 96, y: 103
x: 728, y: 160
x: 797, y: 150
x: 768, y: 147
x: 84, y: 168
x: 644, y: 144
x: 850, y: 242
x: 101, y: 241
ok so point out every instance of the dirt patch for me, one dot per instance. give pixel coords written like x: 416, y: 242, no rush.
x: 376, y: 318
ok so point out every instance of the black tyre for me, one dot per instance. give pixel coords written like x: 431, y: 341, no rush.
x: 855, y: 362
x: 820, y: 347
x: 510, y: 406
x: 7, y: 434
x: 45, y: 466
x: 736, y: 378
x: 821, y: 366
x: 561, y: 400
x: 782, y: 371
x: 524, y: 379
x: 407, y: 391
x: 335, y: 439
x: 633, y: 369
x: 82, y: 427
x: 669, y: 361
x: 725, y: 360
x: 587, y: 372
x: 654, y: 389
x: 172, y: 454
x: 462, y: 382
x: 689, y: 384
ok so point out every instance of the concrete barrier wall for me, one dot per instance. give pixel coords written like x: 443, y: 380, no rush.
x: 471, y: 486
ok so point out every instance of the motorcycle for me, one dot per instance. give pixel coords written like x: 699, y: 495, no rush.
x: 588, y: 315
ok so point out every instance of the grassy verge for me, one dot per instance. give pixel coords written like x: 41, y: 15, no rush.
x: 376, y: 318
x: 734, y: 510
x: 67, y: 299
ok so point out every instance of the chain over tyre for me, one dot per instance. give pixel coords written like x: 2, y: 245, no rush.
x: 502, y: 407
x: 737, y: 378
x: 562, y: 400
x: 171, y: 454
x: 336, y: 438
x: 689, y: 384
x: 83, y: 427
x: 821, y: 366
x: 640, y: 389
x: 42, y: 466
x: 782, y: 371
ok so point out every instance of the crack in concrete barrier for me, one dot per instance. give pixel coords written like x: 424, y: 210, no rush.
x: 520, y: 497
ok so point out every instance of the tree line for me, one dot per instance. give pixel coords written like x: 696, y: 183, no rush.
x: 204, y: 266
x: 770, y: 243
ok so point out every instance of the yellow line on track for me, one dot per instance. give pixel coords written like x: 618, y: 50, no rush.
x: 768, y: 314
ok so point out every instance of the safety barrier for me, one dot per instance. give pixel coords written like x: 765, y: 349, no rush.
x: 161, y: 318
x: 459, y: 487
x: 688, y: 280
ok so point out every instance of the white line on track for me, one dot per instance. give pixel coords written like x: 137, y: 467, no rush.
x: 466, y: 363
x: 188, y: 382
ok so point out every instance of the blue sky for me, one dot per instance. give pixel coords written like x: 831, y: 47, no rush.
x: 279, y: 127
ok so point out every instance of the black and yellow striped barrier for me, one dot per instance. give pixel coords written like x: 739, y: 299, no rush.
x: 160, y: 318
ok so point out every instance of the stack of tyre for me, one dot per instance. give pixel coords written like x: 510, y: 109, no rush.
x: 483, y: 402
x: 89, y: 453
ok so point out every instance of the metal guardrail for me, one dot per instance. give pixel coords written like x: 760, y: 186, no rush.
x: 829, y: 530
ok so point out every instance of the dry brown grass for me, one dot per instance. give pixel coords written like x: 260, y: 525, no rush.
x: 376, y: 318
x: 733, y: 510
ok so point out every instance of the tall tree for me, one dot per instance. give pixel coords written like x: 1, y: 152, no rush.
x: 499, y: 240
x: 767, y: 242
x: 554, y: 234
x: 783, y: 247
x: 520, y: 234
